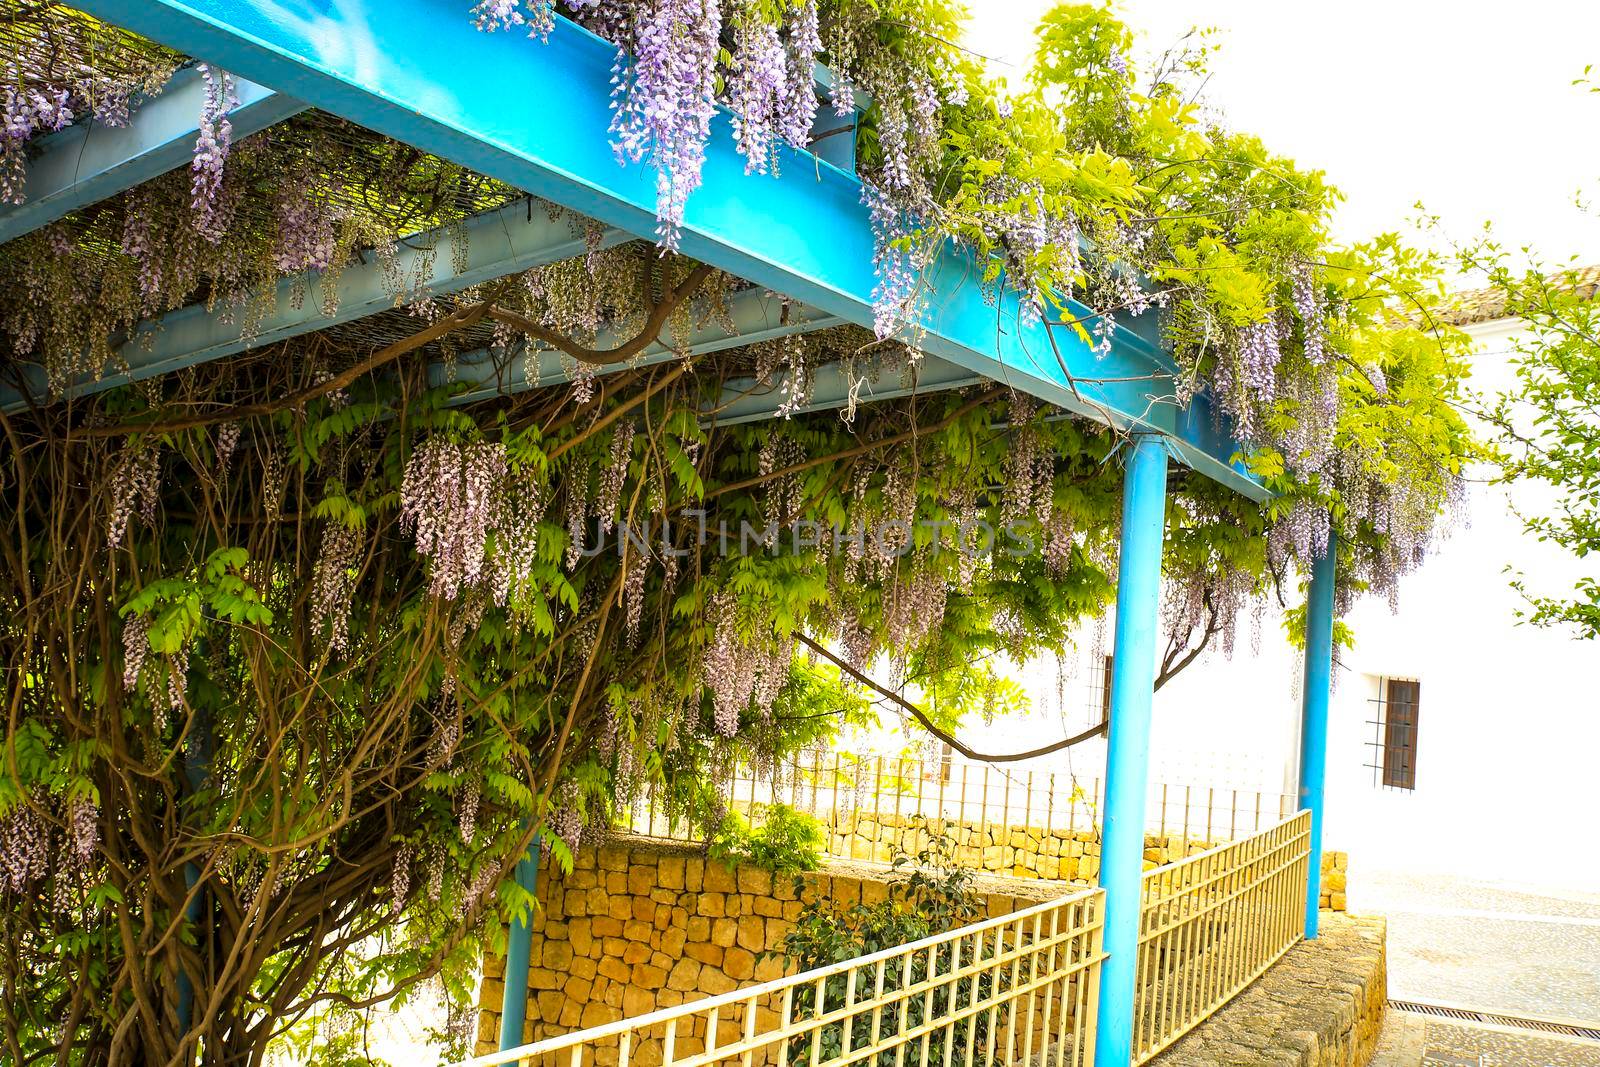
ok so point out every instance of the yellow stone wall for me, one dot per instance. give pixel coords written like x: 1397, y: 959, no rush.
x: 643, y: 925
x: 640, y: 924
x: 1335, y: 872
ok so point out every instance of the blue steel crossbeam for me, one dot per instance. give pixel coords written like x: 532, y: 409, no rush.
x: 499, y: 243
x: 755, y: 316
x: 91, y: 161
x: 535, y: 116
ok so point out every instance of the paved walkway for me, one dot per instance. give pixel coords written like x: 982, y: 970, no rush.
x: 1481, y: 945
x: 1415, y: 1041
x: 1488, y: 946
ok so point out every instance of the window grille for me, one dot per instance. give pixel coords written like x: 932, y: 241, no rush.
x: 1102, y: 673
x: 1394, y: 733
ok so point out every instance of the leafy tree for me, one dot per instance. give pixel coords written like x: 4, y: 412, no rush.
x: 1549, y: 428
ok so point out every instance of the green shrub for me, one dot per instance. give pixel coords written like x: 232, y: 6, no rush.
x: 930, y: 894
x: 787, y: 841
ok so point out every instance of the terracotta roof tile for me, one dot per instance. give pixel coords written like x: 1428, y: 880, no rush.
x: 1487, y: 305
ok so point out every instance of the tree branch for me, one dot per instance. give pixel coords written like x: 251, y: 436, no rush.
x: 654, y: 323
x: 947, y: 738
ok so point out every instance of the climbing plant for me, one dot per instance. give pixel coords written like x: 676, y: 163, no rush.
x: 306, y: 647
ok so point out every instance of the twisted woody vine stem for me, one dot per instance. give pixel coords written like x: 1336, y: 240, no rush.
x: 310, y: 643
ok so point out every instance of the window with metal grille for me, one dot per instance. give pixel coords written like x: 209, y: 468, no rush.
x: 1105, y: 689
x: 1394, y: 733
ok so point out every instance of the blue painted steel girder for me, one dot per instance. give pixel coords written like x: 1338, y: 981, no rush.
x: 754, y: 315
x: 1133, y: 669
x: 1315, y: 692
x: 535, y: 116
x: 90, y: 161
x: 498, y: 243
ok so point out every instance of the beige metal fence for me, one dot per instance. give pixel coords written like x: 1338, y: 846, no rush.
x: 868, y: 804
x: 1020, y: 988
x: 1211, y: 924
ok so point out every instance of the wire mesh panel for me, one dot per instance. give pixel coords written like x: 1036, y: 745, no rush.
x: 1211, y: 923
x: 1018, y: 989
x: 871, y: 806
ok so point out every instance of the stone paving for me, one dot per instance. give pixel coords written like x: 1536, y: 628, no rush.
x: 1480, y: 945
x: 1417, y: 1041
x: 1503, y: 948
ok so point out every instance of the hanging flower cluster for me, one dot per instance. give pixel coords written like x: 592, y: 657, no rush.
x: 136, y: 488
x: 664, y: 98
x: 24, y: 848
x: 450, y: 500
x: 61, y: 67
x: 211, y: 153
x: 742, y: 673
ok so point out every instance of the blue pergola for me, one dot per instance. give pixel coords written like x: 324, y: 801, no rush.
x: 534, y: 116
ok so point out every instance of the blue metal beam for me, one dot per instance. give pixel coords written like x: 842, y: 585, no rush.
x: 519, y: 955
x: 832, y: 387
x: 1314, y: 695
x: 418, y: 71
x: 91, y: 161
x: 756, y: 316
x: 499, y: 242
x: 1133, y: 671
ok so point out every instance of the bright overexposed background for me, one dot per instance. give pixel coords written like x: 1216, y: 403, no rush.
x: 1467, y: 107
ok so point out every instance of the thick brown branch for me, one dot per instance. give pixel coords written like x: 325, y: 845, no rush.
x: 654, y: 323
x: 948, y: 738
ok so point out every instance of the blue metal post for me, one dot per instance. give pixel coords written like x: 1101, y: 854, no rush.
x: 196, y: 762
x: 1314, y: 719
x: 1133, y: 668
x: 519, y: 949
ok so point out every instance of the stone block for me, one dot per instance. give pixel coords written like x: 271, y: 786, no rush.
x: 711, y: 955
x: 597, y: 1015
x: 580, y: 935
x: 752, y: 933
x: 685, y: 975
x: 754, y: 881
x: 641, y: 879
x: 739, y: 964
x: 646, y: 976
x: 713, y: 982
x: 636, y: 1001
x: 769, y: 968
x: 670, y: 872
x: 557, y: 955
x: 720, y: 879
x: 549, y: 1003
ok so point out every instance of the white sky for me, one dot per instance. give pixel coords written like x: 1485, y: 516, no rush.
x: 1467, y: 107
